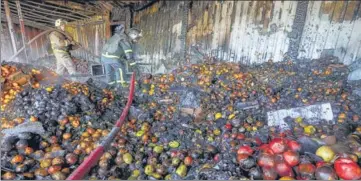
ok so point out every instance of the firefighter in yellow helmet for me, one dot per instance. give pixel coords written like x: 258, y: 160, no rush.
x: 62, y: 43
x: 117, y: 53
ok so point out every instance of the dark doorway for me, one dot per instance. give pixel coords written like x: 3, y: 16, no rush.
x: 114, y: 25
x: 112, y: 28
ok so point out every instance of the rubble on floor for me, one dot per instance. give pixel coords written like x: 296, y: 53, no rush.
x: 82, y: 66
x: 203, y: 121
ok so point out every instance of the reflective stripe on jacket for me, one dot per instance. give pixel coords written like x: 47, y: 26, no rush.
x: 118, y: 46
x: 107, y: 55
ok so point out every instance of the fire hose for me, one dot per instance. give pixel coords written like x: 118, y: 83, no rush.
x: 95, y: 155
x: 38, y: 36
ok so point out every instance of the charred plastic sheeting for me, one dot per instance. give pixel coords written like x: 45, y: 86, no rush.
x: 313, y: 113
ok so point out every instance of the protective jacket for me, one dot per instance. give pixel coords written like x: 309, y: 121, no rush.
x: 118, y: 47
x: 59, y: 42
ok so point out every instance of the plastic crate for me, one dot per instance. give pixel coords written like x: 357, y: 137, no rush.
x: 97, y: 70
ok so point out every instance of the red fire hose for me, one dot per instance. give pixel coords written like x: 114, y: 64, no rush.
x: 95, y: 155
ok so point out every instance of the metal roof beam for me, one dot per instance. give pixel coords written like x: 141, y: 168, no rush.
x: 35, y: 19
x: 50, y: 12
x: 27, y: 22
x: 60, y: 8
x: 33, y: 15
x: 72, y: 5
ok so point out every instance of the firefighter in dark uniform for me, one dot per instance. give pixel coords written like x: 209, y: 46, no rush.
x: 117, y: 53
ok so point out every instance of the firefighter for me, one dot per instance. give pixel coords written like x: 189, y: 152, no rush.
x: 117, y: 53
x: 61, y: 44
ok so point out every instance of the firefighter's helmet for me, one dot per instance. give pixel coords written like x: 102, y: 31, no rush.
x: 59, y: 22
x: 135, y: 33
x: 119, y: 28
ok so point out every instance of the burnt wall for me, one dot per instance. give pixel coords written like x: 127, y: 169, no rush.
x: 250, y: 32
x: 332, y: 28
x: 162, y: 33
x: 36, y: 50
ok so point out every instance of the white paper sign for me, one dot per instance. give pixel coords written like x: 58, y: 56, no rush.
x: 312, y: 113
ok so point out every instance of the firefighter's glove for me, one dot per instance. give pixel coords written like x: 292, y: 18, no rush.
x: 74, y: 43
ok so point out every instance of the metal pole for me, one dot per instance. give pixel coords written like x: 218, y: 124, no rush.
x: 10, y: 25
x: 96, y: 51
x: 108, y: 32
x: 80, y: 40
x: 1, y: 32
x: 22, y: 28
x: 43, y: 52
x: 184, y: 29
x: 37, y: 53
x: 1, y: 60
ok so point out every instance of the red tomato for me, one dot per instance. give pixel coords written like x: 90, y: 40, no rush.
x: 242, y: 157
x: 228, y: 126
x: 291, y: 158
x: 347, y: 169
x: 284, y: 170
x: 241, y: 136
x: 266, y: 149
x: 188, y: 160
x: 266, y: 160
x: 277, y: 145
x: 294, y: 145
x: 269, y: 173
x: 245, y: 150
